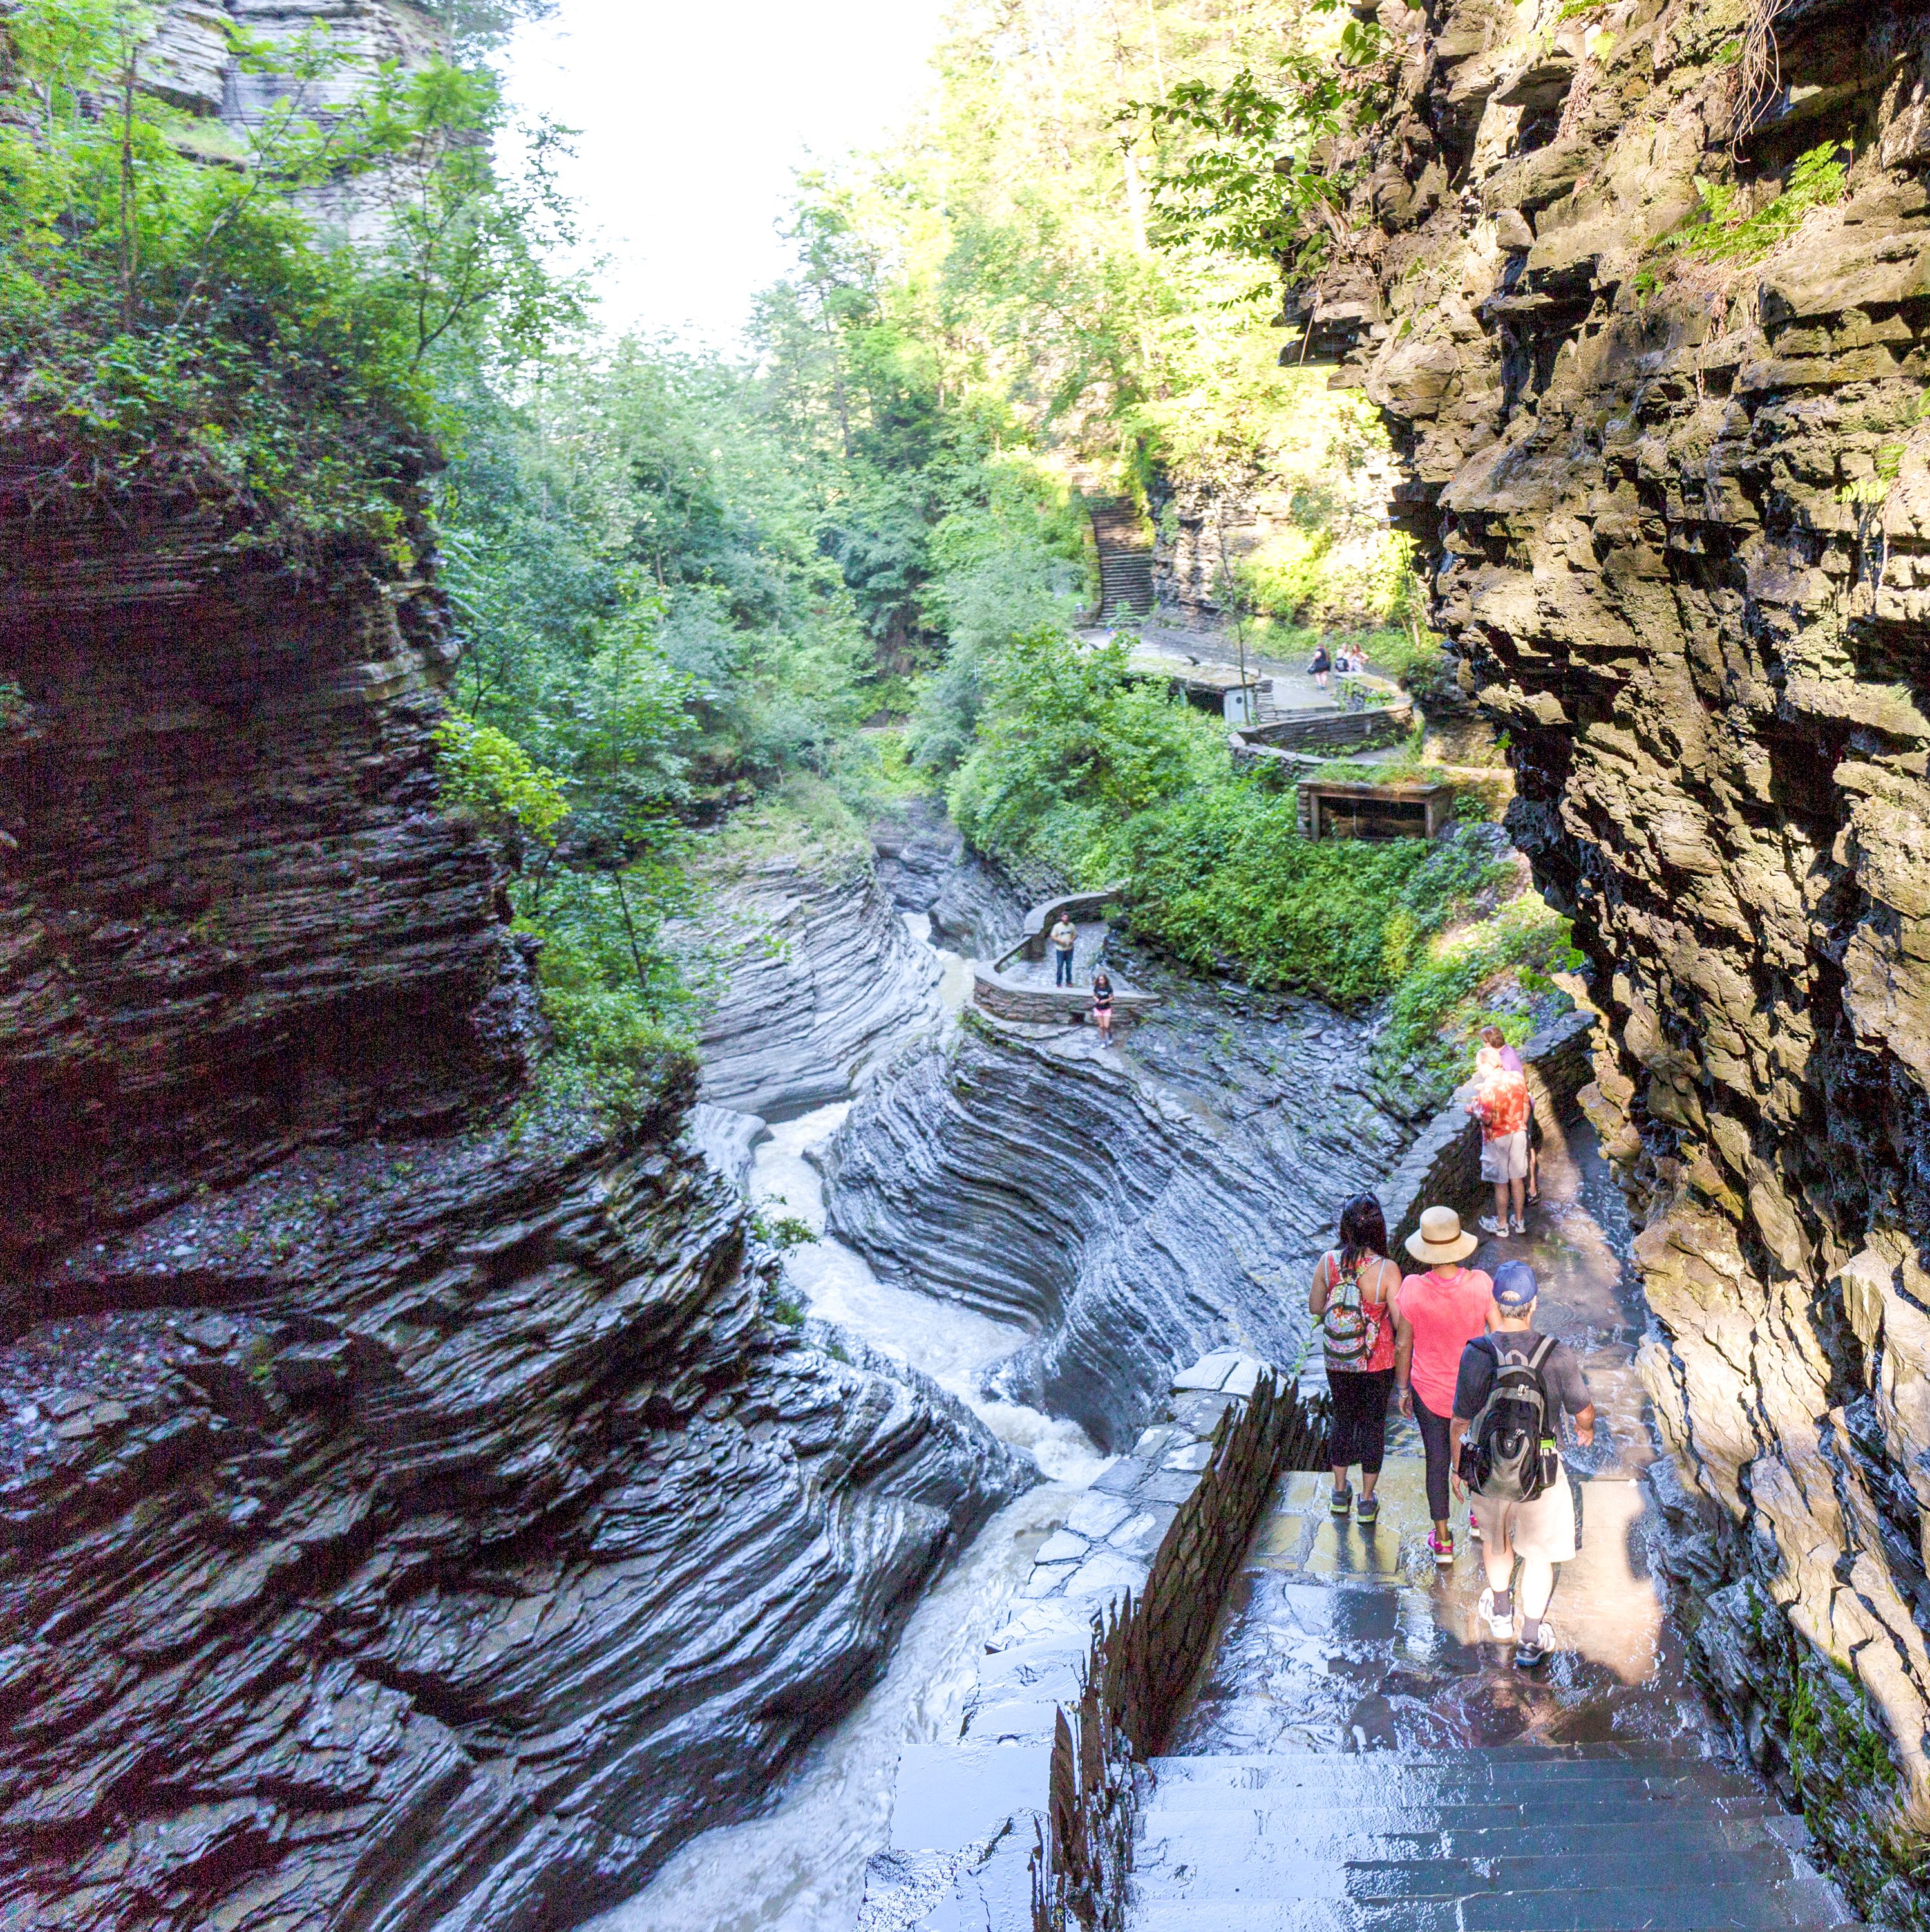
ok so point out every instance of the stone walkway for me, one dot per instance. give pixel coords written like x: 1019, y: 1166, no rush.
x: 1359, y: 1754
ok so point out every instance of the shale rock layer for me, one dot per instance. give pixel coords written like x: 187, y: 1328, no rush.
x: 411, y: 1518
x: 1661, y: 397
x: 1134, y: 1208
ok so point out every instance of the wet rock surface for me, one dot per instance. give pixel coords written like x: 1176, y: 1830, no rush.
x: 925, y: 866
x: 450, y: 1536
x: 1676, y: 515
x: 1135, y: 1206
x: 413, y: 1516
x: 813, y: 980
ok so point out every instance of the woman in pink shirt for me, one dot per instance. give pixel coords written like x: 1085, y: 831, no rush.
x: 1437, y: 1315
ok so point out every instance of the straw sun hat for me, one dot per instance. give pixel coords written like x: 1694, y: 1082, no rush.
x: 1438, y: 1238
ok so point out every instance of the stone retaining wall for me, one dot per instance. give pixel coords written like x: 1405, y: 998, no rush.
x: 1075, y: 905
x: 1442, y: 1167
x: 1377, y: 724
x: 964, y: 1813
x: 1048, y: 1005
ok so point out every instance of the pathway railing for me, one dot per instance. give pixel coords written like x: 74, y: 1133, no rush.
x: 1146, y: 1655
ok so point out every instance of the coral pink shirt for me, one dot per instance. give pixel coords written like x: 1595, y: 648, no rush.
x: 1446, y: 1308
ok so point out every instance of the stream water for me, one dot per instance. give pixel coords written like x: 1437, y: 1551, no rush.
x: 800, y: 1868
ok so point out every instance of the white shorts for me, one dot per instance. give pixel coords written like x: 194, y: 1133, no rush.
x: 1505, y: 1158
x: 1544, y: 1528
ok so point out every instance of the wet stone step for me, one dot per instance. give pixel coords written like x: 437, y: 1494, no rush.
x: 1693, y: 1908
x: 1457, y: 1877
x: 1523, y: 1808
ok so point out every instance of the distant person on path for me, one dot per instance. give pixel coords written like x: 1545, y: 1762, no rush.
x: 1509, y: 1399
x: 1352, y: 1297
x: 1500, y: 1103
x: 1065, y: 942
x: 1437, y: 1315
x: 1102, y: 1005
x: 1321, y: 665
x: 1511, y: 1061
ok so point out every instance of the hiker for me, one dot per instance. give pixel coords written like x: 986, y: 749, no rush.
x: 1065, y: 942
x: 1500, y: 1103
x: 1437, y: 1315
x: 1102, y: 1005
x: 1509, y: 1398
x: 1321, y: 665
x: 1511, y: 1060
x: 1354, y: 1287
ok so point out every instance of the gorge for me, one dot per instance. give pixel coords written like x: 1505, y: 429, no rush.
x: 541, y: 1330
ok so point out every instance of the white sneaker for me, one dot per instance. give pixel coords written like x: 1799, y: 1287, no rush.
x: 1489, y: 1226
x: 1499, y: 1628
x: 1521, y: 1225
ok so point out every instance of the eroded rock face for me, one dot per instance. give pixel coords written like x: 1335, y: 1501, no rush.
x: 437, y: 1533
x: 411, y: 1516
x: 1135, y: 1206
x: 813, y: 978
x: 1676, y: 509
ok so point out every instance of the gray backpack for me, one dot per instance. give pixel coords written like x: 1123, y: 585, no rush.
x: 1510, y: 1452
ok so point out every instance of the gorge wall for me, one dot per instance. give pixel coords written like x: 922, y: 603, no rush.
x: 411, y: 1516
x: 1672, y: 478
x: 1134, y: 1211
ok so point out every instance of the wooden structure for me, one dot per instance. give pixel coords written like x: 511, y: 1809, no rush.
x: 1344, y: 808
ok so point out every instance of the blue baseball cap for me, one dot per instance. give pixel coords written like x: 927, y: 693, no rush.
x: 1515, y: 1287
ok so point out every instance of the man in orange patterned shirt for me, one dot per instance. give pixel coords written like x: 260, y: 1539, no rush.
x: 1500, y: 1104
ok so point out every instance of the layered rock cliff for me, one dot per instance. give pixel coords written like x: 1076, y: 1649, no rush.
x: 411, y: 1516
x: 1132, y: 1208
x: 1644, y: 291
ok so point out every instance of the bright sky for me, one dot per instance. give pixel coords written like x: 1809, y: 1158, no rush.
x: 693, y: 115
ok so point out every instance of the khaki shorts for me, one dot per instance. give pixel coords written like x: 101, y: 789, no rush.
x: 1505, y: 1158
x: 1544, y: 1528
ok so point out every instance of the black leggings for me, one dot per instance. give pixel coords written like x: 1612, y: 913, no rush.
x: 1360, y: 1417
x: 1433, y: 1439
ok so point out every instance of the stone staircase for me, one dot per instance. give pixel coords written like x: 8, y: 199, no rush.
x: 1125, y: 558
x: 1600, y: 1837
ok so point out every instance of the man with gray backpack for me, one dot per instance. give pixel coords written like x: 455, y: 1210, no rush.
x: 1513, y: 1386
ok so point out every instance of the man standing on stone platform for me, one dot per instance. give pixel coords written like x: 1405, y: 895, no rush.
x: 1065, y: 942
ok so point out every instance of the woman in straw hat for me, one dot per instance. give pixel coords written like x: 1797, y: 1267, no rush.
x: 1438, y: 1314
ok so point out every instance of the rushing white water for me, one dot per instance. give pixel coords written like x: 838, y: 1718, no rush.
x: 953, y: 1345
x: 801, y: 1868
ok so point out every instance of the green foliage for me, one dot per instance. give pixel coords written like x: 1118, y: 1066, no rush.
x: 176, y: 325
x: 1068, y: 745
x: 1256, y: 169
x: 613, y: 997
x: 1223, y: 875
x: 1723, y: 231
x: 1466, y: 979
x: 490, y: 774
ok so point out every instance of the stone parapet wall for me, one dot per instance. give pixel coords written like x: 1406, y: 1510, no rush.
x: 1377, y: 724
x: 1007, y: 999
x: 965, y: 1809
x: 1442, y: 1167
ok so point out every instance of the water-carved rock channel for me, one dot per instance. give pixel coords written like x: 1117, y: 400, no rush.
x: 1048, y: 1228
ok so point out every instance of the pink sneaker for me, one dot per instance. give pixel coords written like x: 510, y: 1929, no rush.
x: 1443, y: 1547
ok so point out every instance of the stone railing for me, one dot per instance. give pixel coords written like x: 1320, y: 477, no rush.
x: 1077, y: 906
x: 1376, y: 725
x: 1146, y: 1655
x: 1048, y: 1006
x: 1442, y: 1167
x: 964, y: 1812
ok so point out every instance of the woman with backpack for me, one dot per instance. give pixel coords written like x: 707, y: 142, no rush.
x: 1321, y: 665
x: 1353, y: 1297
